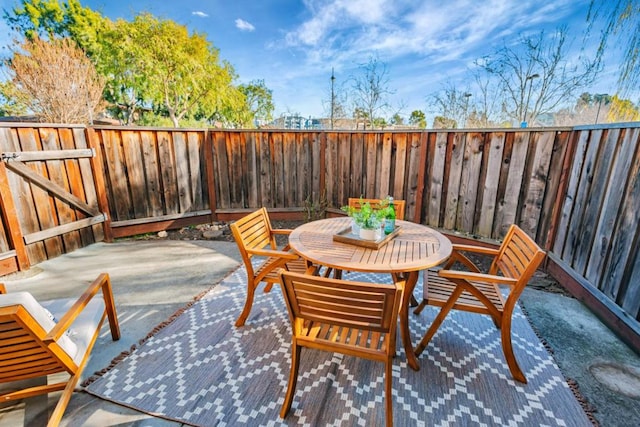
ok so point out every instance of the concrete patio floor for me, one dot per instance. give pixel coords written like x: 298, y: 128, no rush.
x: 154, y: 279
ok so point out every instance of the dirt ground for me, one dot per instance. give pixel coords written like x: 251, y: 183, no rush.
x: 220, y: 231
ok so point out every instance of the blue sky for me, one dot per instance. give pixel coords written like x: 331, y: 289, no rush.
x: 293, y: 45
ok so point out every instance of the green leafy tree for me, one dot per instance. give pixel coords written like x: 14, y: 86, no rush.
x: 418, y: 119
x: 259, y: 102
x: 183, y: 71
x: 623, y: 110
x: 397, y: 120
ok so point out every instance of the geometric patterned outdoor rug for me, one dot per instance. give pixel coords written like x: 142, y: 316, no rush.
x: 203, y: 371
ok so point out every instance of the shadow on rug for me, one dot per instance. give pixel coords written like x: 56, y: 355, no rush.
x: 201, y: 370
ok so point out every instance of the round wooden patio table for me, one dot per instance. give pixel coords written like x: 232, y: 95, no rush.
x: 415, y: 248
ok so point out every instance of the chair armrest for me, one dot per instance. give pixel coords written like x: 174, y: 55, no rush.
x: 476, y: 249
x: 281, y: 231
x: 3, y: 290
x: 457, y: 255
x: 273, y: 253
x: 101, y: 283
x: 477, y: 277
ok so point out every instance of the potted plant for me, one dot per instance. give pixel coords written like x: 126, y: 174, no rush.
x: 367, y: 221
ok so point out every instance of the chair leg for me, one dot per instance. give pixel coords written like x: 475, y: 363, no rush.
x: 293, y: 379
x: 420, y: 307
x: 388, y: 388
x: 248, y: 303
x: 438, y: 320
x: 507, y: 349
x: 63, y: 402
x: 110, y: 307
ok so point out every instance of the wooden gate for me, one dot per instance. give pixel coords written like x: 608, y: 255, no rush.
x: 48, y: 188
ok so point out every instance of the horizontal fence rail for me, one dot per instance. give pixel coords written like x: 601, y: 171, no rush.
x: 575, y: 190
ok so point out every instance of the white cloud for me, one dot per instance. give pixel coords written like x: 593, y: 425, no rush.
x: 243, y: 25
x: 200, y: 14
x: 394, y: 28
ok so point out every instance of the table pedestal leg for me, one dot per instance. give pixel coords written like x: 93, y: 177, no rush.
x: 411, y: 279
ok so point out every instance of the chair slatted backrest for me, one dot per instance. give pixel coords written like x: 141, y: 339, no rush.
x: 254, y: 230
x: 398, y: 205
x: 22, y: 352
x: 519, y: 256
x: 359, y: 305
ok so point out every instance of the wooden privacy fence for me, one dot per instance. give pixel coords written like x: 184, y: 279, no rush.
x: 574, y: 190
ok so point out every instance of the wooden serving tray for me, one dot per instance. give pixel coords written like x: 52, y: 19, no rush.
x: 346, y: 236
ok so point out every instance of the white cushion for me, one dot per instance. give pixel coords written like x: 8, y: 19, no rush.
x: 79, y: 335
x: 84, y: 326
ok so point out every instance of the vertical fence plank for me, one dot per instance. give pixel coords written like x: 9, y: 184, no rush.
x: 167, y: 162
x: 436, y: 179
x: 414, y: 187
x: 151, y: 169
x: 556, y: 186
x: 234, y: 143
x: 469, y: 182
x: 384, y: 167
x: 371, y: 146
x: 399, y: 168
x: 289, y: 165
x: 266, y: 175
x: 197, y: 175
x: 192, y: 174
x: 210, y: 169
x: 278, y: 160
x: 131, y: 150
x: 507, y: 208
x: 455, y: 158
x: 357, y: 175
x: 343, y: 168
x: 183, y: 181
x: 572, y: 192
x: 536, y: 182
x: 493, y: 153
x: 331, y: 169
x: 251, y: 173
x: 304, y: 169
x: 98, y: 168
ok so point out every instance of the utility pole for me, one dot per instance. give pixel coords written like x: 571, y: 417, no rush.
x: 333, y: 97
x: 466, y: 95
x: 526, y: 105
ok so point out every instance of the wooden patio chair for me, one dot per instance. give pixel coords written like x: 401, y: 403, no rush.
x: 513, y: 265
x: 398, y: 205
x: 256, y: 238
x: 34, y: 344
x: 353, y: 318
